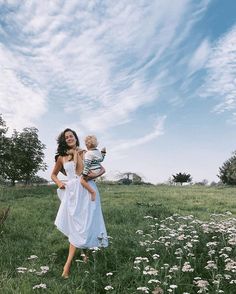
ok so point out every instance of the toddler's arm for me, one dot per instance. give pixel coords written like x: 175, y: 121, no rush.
x: 103, y: 152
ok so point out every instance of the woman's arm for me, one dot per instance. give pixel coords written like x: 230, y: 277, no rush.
x: 92, y: 175
x: 57, y: 167
x: 79, y: 160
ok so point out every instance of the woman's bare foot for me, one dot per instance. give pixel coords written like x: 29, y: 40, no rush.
x: 93, y: 196
x: 66, y: 271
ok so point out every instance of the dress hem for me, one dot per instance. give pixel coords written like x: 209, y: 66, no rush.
x: 79, y: 247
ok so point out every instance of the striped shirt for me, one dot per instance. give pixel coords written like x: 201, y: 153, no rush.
x: 92, y: 161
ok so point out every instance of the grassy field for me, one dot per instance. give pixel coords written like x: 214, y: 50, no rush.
x: 163, y: 240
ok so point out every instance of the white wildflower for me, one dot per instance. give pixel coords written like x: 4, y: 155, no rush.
x: 181, y: 237
x: 211, y: 265
x: 202, y: 284
x: 32, y: 270
x: 44, y: 269
x: 231, y: 266
x: 43, y: 286
x: 227, y: 277
x: 153, y: 281
x: 107, y: 288
x: 173, y: 286
x: 187, y: 267
x: 211, y: 244
x: 143, y: 289
x: 174, y: 268
x: 155, y: 256
x: 32, y: 257
x: 22, y: 268
x: 150, y: 249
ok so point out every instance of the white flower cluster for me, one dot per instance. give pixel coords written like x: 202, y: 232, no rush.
x: 178, y: 239
x: 43, y: 286
x: 143, y: 289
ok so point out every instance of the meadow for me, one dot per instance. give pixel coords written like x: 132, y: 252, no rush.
x: 163, y: 239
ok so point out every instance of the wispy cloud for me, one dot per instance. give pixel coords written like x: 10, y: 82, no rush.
x: 221, y: 73
x: 100, y: 62
x: 157, y: 131
x: 200, y: 56
x: 22, y: 102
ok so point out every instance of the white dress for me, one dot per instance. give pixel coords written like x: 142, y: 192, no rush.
x: 79, y: 218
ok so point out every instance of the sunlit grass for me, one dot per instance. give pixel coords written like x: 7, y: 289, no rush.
x: 29, y: 230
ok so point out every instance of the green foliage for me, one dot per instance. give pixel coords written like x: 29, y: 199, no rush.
x: 21, y: 154
x: 182, y: 178
x: 227, y: 172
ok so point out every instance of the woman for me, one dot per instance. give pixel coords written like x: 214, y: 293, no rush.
x: 79, y: 218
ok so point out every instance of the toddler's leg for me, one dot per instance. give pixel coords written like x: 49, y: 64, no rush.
x: 87, y: 187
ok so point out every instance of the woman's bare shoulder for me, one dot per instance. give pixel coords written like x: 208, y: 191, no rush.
x: 60, y: 159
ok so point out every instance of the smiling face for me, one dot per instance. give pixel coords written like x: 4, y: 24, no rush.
x: 70, y: 139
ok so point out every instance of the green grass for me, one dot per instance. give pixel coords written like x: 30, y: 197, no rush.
x: 29, y: 230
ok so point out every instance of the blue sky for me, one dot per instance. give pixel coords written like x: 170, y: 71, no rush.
x: 154, y: 80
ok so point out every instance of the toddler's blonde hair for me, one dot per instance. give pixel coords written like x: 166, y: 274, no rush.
x: 91, y: 141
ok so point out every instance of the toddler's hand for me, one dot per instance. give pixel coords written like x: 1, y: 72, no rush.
x: 103, y: 150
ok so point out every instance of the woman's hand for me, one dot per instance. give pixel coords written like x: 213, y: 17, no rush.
x: 92, y: 175
x: 62, y: 185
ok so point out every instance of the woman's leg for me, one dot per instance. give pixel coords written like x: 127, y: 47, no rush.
x: 66, y: 270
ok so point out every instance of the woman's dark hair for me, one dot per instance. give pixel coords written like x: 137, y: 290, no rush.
x: 62, y: 146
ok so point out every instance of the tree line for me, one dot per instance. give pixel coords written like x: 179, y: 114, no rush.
x: 21, y: 155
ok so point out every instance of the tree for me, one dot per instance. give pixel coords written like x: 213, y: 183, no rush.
x: 182, y: 178
x: 227, y: 173
x: 38, y: 180
x: 3, y: 127
x: 137, y: 180
x: 31, y: 152
x: 3, y: 147
x: 21, y: 155
x: 204, y: 182
x: 128, y: 178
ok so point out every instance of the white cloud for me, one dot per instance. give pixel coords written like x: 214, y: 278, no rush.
x: 200, y: 56
x: 221, y: 73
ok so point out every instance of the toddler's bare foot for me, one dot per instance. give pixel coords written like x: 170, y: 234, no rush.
x: 93, y: 196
